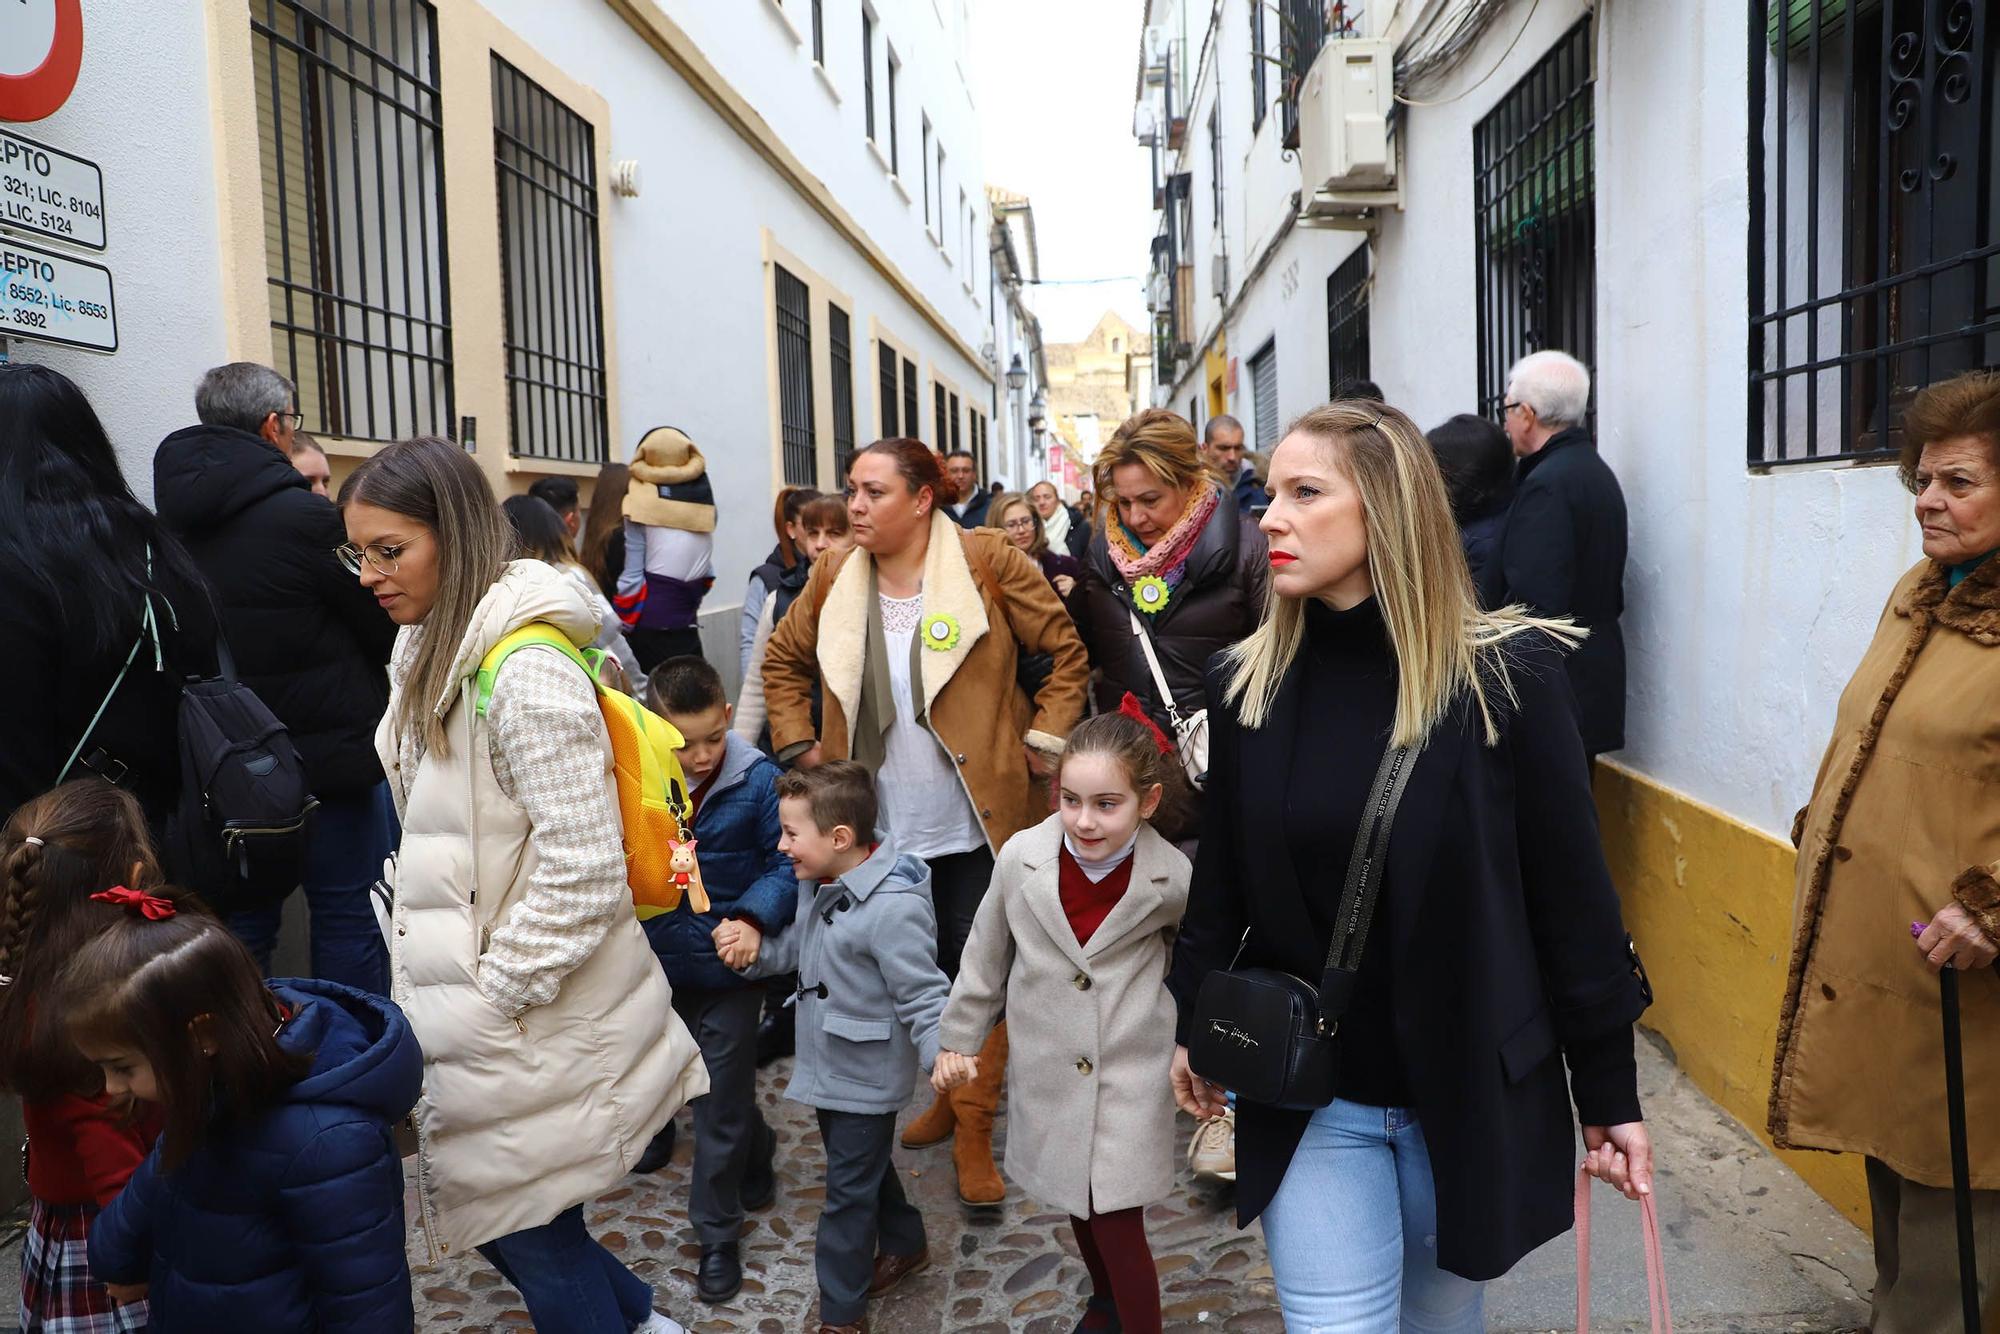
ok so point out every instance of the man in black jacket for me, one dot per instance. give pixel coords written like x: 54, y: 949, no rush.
x: 305, y: 636
x: 962, y: 471
x: 1563, y: 550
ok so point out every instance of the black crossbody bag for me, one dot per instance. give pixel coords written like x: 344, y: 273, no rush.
x: 1269, y: 1036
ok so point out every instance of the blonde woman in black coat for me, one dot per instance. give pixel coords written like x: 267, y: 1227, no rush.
x: 1496, y: 955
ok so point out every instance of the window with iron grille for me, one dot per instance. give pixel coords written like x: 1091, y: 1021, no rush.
x: 840, y: 354
x: 1215, y: 166
x: 1347, y: 323
x: 349, y: 137
x: 1535, y: 218
x: 956, y: 443
x: 885, y: 392
x: 1194, y: 411
x: 910, y: 397
x: 1302, y: 33
x: 924, y: 164
x: 1264, y: 393
x: 1874, y: 255
x: 795, y: 380
x: 868, y: 70
x: 545, y: 161
x: 819, y: 31
x: 943, y: 427
x: 1260, y: 93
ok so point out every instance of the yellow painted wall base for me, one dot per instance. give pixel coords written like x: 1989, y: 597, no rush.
x: 1708, y: 899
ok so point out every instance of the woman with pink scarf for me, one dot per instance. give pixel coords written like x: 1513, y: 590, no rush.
x: 1170, y: 560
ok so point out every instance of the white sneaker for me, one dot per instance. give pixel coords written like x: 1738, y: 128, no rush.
x: 660, y: 1324
x: 1212, y: 1154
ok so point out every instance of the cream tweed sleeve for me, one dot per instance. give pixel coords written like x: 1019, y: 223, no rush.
x: 546, y: 737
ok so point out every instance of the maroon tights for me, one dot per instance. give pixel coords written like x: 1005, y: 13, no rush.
x: 1121, y: 1267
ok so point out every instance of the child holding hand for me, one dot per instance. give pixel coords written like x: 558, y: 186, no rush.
x: 274, y: 1198
x: 1072, y: 943
x: 869, y: 997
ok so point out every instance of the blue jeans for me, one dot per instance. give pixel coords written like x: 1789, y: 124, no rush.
x: 350, y: 837
x: 571, y: 1285
x: 1352, y: 1231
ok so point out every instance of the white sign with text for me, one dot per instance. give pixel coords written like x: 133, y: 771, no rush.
x: 49, y: 193
x: 55, y: 299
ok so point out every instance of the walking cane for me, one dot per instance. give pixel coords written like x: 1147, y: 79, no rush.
x: 1961, y: 1171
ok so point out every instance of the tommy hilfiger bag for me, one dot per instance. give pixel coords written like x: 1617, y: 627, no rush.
x: 1269, y: 1036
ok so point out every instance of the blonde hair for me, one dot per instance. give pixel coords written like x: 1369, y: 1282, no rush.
x: 1159, y: 440
x: 1445, y: 645
x: 435, y: 483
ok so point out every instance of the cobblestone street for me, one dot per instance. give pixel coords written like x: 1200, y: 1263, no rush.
x: 1750, y: 1248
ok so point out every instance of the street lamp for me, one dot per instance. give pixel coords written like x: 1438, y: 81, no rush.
x: 1038, y: 410
x: 1017, y: 375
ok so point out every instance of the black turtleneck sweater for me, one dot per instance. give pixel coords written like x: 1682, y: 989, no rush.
x: 1350, y: 685
x: 1350, y: 681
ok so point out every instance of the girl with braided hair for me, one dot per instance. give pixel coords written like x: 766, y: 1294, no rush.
x: 55, y: 852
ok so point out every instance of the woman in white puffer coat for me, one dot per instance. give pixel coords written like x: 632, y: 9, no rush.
x: 552, y: 1051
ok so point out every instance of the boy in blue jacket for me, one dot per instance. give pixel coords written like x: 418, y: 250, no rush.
x: 734, y: 795
x: 870, y: 998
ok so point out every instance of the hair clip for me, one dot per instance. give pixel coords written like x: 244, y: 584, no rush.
x: 149, y: 906
x: 36, y: 841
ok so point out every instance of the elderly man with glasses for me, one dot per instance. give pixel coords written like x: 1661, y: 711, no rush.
x: 1563, y: 549
x: 305, y: 636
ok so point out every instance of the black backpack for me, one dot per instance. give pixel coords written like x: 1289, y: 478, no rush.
x: 238, y: 836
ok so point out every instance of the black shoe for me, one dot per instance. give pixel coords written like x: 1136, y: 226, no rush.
x: 760, y: 1178
x: 658, y: 1152
x: 721, y: 1275
x: 1100, y: 1316
x: 777, y: 1036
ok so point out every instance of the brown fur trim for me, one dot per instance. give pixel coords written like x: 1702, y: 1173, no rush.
x: 1972, y: 609
x: 1799, y: 825
x: 1918, y: 605
x: 1979, y: 894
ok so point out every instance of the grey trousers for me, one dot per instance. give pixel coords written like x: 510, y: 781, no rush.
x: 1916, y: 1255
x: 865, y: 1213
x: 729, y: 1130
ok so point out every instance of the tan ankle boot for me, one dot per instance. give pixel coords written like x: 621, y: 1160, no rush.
x: 972, y: 1148
x: 934, y: 1126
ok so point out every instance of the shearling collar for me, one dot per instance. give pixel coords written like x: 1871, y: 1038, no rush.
x: 949, y: 586
x: 1972, y: 609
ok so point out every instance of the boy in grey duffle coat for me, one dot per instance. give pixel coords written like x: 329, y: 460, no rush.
x: 869, y: 1000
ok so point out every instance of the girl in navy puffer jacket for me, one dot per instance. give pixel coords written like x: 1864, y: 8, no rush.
x: 274, y: 1198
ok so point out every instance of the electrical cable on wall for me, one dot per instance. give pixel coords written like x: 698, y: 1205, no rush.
x: 1494, y: 69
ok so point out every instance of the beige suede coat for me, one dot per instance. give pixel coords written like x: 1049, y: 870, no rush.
x: 975, y: 709
x: 1090, y: 1027
x: 1905, y: 817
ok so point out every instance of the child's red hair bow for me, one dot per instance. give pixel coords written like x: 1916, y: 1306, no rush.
x: 149, y: 906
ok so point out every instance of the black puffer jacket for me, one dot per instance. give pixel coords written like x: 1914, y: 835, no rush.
x: 1219, y: 601
x: 305, y: 635
x: 52, y: 682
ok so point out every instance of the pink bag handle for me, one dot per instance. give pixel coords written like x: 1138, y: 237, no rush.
x: 1656, y: 1265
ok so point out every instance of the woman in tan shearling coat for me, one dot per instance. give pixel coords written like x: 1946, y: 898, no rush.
x: 1904, y: 826
x: 916, y: 639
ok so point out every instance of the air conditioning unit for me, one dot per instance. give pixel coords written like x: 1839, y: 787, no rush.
x: 1145, y: 124
x: 1347, y: 165
x: 1218, y: 273
x: 1156, y: 43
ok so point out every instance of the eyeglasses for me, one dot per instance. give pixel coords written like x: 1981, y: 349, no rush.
x: 1509, y: 406
x: 297, y: 419
x: 1019, y: 525
x: 383, y: 558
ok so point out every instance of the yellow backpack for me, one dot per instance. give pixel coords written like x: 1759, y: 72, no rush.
x: 660, y: 863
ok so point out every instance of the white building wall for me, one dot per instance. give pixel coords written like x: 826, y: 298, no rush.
x: 161, y: 241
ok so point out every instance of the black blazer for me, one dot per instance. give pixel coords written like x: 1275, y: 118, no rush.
x: 1562, y: 551
x: 1503, y: 928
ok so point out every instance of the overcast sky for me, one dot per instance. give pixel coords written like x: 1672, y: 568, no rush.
x: 1053, y: 83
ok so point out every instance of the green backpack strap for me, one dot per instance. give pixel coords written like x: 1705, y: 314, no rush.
x: 535, y: 632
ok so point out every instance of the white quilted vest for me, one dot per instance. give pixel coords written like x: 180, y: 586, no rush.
x: 519, y: 1119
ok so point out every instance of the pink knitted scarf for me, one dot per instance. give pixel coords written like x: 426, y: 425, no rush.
x: 1166, y: 556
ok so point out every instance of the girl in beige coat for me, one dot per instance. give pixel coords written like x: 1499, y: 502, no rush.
x: 1073, y: 941
x: 552, y: 1053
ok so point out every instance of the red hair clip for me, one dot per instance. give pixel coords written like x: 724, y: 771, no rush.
x: 149, y: 906
x: 1131, y: 708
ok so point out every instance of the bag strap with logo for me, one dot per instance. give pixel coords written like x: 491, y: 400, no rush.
x: 1363, y: 887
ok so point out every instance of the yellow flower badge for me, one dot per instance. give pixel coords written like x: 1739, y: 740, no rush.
x: 1150, y: 594
x: 940, y: 632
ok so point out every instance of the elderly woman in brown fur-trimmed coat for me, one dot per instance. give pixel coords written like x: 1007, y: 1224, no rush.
x: 1904, y: 826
